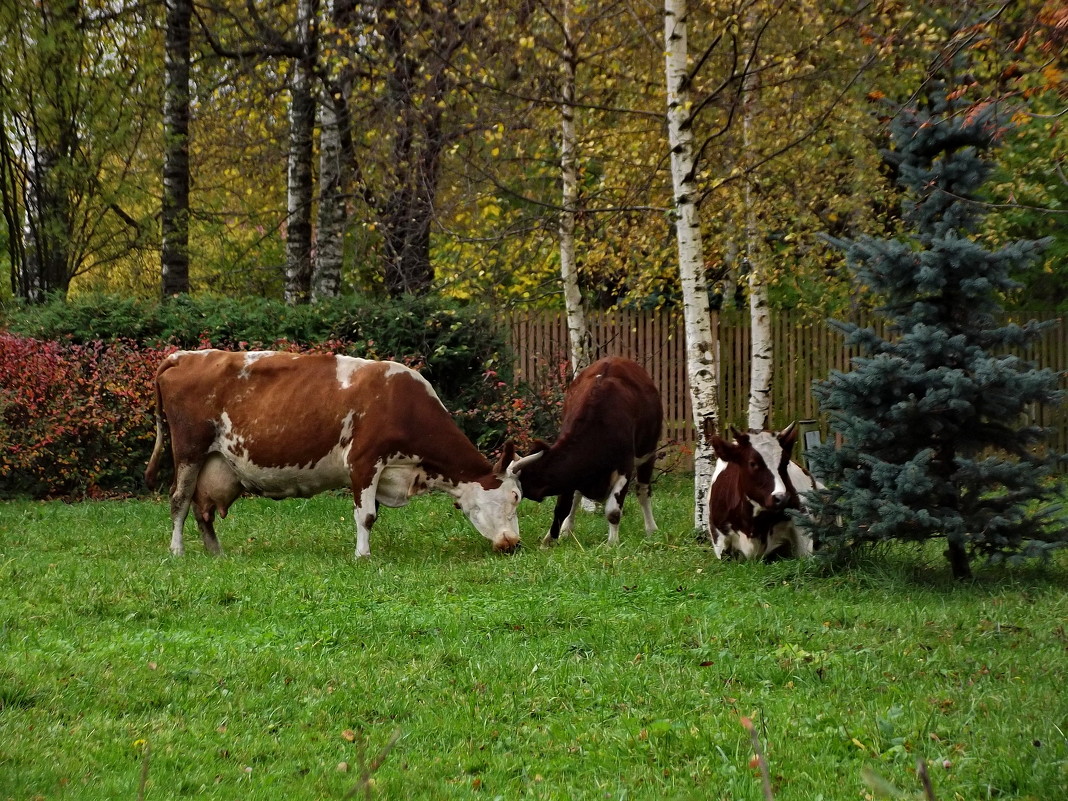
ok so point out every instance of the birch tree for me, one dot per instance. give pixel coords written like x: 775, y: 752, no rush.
x: 577, y: 330
x: 702, y: 367
x: 761, y: 353
x: 335, y: 160
x: 301, y: 143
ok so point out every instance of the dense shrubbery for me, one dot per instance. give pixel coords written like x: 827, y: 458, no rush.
x: 74, y: 419
x: 76, y: 403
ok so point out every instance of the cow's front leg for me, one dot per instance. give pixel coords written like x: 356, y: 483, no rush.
x: 185, y: 482
x: 365, y: 509
x: 563, y: 517
x: 723, y: 542
x: 613, y: 508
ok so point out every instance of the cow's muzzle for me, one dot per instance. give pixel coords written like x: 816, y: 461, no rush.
x: 779, y: 501
x: 507, y: 543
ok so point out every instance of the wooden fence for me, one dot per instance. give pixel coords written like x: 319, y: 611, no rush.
x: 804, y: 352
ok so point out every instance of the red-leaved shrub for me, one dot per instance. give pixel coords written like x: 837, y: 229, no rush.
x: 75, y: 420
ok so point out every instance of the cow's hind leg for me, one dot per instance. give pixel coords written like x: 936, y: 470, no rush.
x: 613, y: 508
x: 206, y: 524
x: 185, y: 482
x: 563, y: 517
x: 644, y: 480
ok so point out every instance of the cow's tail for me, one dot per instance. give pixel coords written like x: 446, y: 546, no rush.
x: 152, y: 471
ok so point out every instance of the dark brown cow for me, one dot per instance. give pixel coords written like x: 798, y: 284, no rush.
x: 289, y: 425
x: 611, y: 425
x: 753, y: 486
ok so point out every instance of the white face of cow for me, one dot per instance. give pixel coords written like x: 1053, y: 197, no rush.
x: 494, y: 512
x: 768, y: 446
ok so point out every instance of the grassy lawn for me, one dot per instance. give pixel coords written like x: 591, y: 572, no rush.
x: 579, y: 673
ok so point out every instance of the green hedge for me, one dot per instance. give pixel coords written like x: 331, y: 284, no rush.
x: 453, y: 345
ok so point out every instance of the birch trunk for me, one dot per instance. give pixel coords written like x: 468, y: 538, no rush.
x: 577, y: 331
x: 701, y: 357
x: 333, y: 189
x: 760, y: 367
x: 335, y: 158
x: 174, y: 215
x: 299, y: 180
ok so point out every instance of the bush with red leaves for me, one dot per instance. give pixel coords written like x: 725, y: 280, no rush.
x: 75, y: 420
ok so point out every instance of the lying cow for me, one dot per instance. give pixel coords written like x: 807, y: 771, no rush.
x: 611, y: 425
x: 754, y: 485
x: 287, y: 425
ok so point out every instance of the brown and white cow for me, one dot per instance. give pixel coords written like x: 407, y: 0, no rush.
x: 754, y: 485
x: 286, y: 425
x: 611, y: 426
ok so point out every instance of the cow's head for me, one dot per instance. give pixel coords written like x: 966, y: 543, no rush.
x: 762, y: 459
x: 492, y: 504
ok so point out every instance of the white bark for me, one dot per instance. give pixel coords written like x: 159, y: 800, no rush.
x: 760, y: 364
x: 701, y: 356
x: 760, y: 367
x: 335, y: 158
x: 299, y: 182
x: 577, y: 331
x: 330, y: 234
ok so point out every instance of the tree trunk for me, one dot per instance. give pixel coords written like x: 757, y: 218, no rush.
x: 407, y: 239
x: 701, y: 361
x: 333, y: 192
x: 174, y: 254
x: 299, y: 181
x: 761, y: 355
x: 958, y: 561
x: 335, y: 170
x: 760, y: 369
x: 577, y: 331
x: 48, y: 218
x: 408, y: 212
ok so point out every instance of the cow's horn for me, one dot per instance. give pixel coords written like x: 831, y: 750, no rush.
x: 519, y: 464
x: 788, y: 429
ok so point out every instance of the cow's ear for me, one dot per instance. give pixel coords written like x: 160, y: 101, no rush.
x: 740, y: 437
x: 507, y: 456
x: 724, y: 450
x: 539, y: 446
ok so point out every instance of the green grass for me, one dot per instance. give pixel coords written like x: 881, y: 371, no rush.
x: 579, y: 673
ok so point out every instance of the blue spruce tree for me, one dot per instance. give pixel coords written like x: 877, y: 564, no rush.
x: 933, y: 419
